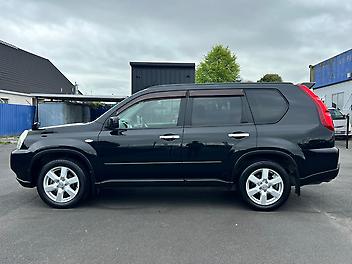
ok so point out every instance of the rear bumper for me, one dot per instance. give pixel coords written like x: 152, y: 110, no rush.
x: 20, y: 162
x: 324, y: 176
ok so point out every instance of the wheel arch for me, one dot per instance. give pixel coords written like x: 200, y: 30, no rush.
x: 279, y: 156
x: 47, y: 155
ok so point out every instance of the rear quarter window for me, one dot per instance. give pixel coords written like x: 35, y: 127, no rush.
x: 268, y: 105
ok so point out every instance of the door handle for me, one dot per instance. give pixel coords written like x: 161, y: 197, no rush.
x: 169, y: 137
x: 238, y: 135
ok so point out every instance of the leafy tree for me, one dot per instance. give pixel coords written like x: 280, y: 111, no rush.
x: 271, y: 77
x: 219, y: 65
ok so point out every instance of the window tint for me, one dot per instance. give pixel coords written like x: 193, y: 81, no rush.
x: 156, y: 113
x: 267, y: 105
x: 209, y: 111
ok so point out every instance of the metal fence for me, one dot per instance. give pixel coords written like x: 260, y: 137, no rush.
x: 14, y: 119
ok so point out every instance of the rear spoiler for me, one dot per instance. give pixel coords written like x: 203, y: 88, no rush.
x: 308, y: 84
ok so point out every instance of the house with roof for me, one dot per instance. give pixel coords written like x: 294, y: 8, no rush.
x: 23, y: 73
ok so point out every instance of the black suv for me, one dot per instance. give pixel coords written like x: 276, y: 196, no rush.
x: 261, y: 138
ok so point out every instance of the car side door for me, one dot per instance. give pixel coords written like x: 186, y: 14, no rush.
x: 218, y: 129
x: 147, y: 144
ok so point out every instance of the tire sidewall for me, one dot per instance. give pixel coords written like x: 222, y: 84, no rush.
x: 264, y: 164
x: 82, y: 192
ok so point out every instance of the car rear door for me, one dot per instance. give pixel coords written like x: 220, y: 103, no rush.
x: 218, y: 129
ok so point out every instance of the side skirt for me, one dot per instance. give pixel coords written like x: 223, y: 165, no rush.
x: 163, y: 182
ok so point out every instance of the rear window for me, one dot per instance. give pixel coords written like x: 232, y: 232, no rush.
x: 267, y: 105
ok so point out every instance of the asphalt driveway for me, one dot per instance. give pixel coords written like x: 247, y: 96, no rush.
x: 171, y: 225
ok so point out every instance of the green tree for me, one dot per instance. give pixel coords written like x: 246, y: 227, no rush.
x: 219, y: 65
x: 271, y: 77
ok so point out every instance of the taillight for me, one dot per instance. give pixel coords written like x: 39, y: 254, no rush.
x: 324, y: 113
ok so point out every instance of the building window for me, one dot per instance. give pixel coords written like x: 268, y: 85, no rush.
x: 4, y: 100
x: 337, y: 100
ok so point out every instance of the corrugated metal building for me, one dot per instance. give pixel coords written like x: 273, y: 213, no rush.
x: 333, y: 78
x: 146, y: 74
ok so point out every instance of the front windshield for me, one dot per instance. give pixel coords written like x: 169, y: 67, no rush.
x: 336, y: 114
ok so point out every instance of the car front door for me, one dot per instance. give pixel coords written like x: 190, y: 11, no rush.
x: 147, y: 144
x: 218, y: 128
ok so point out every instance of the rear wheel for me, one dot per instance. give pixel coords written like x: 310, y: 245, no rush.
x: 62, y: 184
x: 264, y: 185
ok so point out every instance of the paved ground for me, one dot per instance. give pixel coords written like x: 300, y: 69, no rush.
x: 176, y: 226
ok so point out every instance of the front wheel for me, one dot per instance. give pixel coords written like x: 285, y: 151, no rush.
x: 264, y: 185
x: 62, y: 184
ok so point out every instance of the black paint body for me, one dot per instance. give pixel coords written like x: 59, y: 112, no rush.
x: 201, y: 155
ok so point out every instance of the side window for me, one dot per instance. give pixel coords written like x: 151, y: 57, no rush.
x: 267, y: 105
x: 212, y: 111
x: 156, y: 113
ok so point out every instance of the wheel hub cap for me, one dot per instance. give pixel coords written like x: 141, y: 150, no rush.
x: 264, y: 187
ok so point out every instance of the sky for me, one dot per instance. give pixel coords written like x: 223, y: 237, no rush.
x: 92, y: 42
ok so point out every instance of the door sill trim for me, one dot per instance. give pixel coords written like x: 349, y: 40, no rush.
x: 163, y: 162
x: 138, y: 181
x: 163, y: 181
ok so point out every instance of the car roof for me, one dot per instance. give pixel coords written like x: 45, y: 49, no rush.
x: 231, y: 85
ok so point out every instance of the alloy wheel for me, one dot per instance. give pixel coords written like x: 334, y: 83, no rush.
x: 264, y: 186
x: 61, y: 184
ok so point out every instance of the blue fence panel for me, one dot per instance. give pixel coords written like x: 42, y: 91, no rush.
x: 14, y: 119
x: 51, y: 114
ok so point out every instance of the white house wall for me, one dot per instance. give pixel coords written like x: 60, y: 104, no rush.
x: 16, y: 98
x: 325, y: 93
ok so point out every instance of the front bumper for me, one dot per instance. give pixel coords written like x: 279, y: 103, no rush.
x: 20, y: 162
x: 343, y: 133
x: 324, y: 176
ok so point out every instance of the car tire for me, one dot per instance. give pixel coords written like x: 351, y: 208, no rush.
x: 62, y: 183
x: 264, y: 185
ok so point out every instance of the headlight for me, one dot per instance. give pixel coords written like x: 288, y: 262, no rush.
x: 21, y: 139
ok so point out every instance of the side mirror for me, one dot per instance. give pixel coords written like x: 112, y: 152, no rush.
x: 113, y: 122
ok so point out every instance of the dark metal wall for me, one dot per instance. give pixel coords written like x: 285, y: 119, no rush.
x: 146, y: 74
